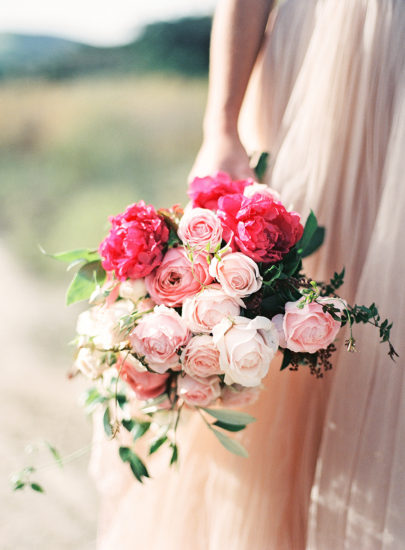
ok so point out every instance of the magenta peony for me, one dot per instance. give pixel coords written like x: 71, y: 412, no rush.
x: 134, y: 246
x: 258, y: 226
x: 205, y: 192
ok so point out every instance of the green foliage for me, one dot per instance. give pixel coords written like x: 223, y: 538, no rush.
x: 55, y: 453
x: 286, y: 359
x: 137, y: 466
x: 157, y: 443
x: 85, y: 281
x: 73, y: 256
x: 312, y: 238
x: 229, y: 427
x: 230, y: 444
x: 107, y: 423
x: 261, y: 166
x: 175, y: 454
x: 335, y: 282
x: 36, y: 487
x: 235, y: 418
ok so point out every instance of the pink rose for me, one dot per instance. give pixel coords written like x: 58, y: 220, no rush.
x: 205, y: 192
x: 200, y: 357
x: 158, y: 337
x: 134, y: 246
x: 237, y: 274
x: 177, y: 277
x: 198, y: 392
x: 145, y: 384
x: 238, y: 396
x: 206, y: 309
x: 310, y: 329
x: 261, y: 189
x: 200, y: 229
x: 259, y: 227
x: 246, y: 349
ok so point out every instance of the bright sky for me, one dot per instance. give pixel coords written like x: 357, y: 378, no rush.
x: 103, y: 22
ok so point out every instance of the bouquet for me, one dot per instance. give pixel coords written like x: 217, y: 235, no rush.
x: 189, y: 307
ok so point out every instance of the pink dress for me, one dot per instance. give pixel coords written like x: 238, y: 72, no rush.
x: 327, y: 457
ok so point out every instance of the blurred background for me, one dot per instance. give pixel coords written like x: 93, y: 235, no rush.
x: 101, y: 105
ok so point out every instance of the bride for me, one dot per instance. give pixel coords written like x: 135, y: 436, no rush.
x: 320, y: 84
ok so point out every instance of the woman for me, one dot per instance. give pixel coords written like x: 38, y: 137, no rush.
x: 325, y: 83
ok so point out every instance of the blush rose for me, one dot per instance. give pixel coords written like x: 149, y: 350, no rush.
x: 237, y: 274
x: 145, y: 384
x: 198, y: 392
x: 310, y: 329
x: 206, y: 309
x: 200, y: 357
x: 158, y: 337
x: 246, y: 349
x: 200, y: 229
x: 177, y: 277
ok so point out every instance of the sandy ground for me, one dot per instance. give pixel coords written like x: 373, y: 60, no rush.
x: 38, y: 402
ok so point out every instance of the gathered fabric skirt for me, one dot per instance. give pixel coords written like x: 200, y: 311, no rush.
x: 327, y: 456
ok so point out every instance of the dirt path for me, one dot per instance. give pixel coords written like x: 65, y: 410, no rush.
x: 38, y: 402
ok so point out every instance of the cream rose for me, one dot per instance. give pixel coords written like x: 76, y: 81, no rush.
x: 237, y: 274
x: 91, y: 362
x: 133, y: 289
x: 158, y: 337
x: 198, y: 392
x: 200, y: 357
x: 200, y: 229
x: 101, y: 323
x: 246, y: 348
x: 310, y: 329
x: 204, y: 310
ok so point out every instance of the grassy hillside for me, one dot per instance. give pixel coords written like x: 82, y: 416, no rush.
x: 71, y: 154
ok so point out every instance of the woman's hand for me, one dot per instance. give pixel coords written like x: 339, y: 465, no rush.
x: 222, y: 153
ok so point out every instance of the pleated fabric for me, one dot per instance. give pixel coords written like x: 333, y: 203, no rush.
x: 327, y: 100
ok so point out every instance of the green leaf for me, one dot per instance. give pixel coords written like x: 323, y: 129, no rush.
x: 309, y: 230
x: 128, y: 424
x: 137, y: 466
x: 55, y: 453
x: 36, y: 487
x: 107, y: 423
x: 235, y: 418
x: 286, y: 359
x: 230, y: 444
x: 175, y: 454
x: 261, y: 166
x: 316, y: 242
x: 157, y: 444
x: 17, y: 485
x: 229, y: 427
x: 79, y: 254
x: 121, y: 399
x: 85, y: 281
x: 140, y: 429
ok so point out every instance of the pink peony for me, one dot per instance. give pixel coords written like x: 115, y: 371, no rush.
x: 200, y: 229
x: 134, y: 246
x: 258, y: 226
x: 310, y: 329
x: 177, y: 277
x: 198, y: 392
x: 145, y: 384
x: 205, y: 192
x: 238, y: 396
x: 207, y: 308
x: 200, y: 357
x: 237, y: 274
x: 158, y: 337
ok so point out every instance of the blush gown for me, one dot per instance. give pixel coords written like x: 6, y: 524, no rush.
x: 327, y: 457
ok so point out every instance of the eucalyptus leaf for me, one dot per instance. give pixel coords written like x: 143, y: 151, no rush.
x: 230, y: 444
x: 36, y: 487
x: 137, y: 466
x: 140, y: 429
x: 107, y: 423
x: 175, y: 454
x: 85, y: 281
x: 157, y: 444
x: 79, y: 254
x: 229, y: 427
x: 55, y: 453
x: 236, y: 418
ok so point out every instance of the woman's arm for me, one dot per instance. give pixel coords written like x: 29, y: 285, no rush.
x: 237, y: 35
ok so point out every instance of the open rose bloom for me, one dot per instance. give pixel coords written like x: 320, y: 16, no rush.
x: 189, y: 309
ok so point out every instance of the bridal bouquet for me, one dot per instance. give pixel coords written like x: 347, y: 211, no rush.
x: 188, y: 309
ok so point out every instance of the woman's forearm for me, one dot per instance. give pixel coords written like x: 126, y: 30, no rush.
x: 237, y: 35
